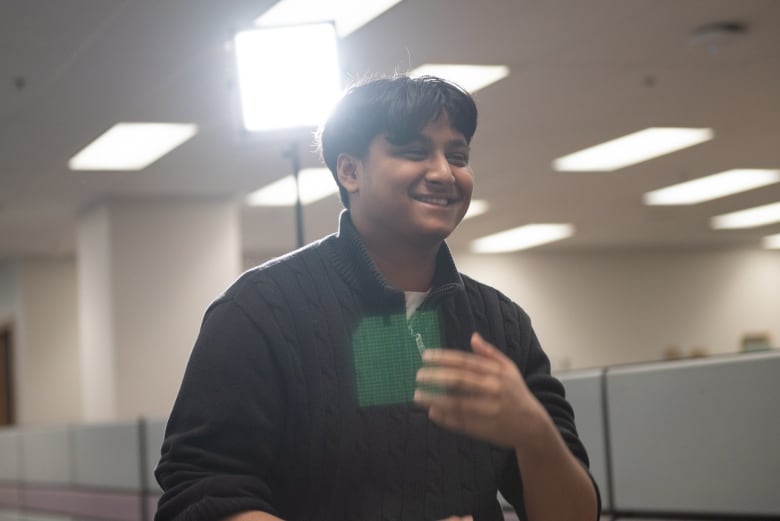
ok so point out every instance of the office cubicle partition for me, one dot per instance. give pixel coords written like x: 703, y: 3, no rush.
x: 691, y: 439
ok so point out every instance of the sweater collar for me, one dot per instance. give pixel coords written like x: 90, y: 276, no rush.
x: 353, y: 262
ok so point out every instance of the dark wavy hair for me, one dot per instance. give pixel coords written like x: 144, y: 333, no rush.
x: 399, y: 106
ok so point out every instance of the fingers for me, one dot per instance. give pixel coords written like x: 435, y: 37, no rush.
x: 475, y: 417
x: 460, y: 373
x: 482, y: 347
x: 471, y: 392
x: 460, y: 359
x: 479, y: 407
x: 488, y: 358
x: 458, y: 381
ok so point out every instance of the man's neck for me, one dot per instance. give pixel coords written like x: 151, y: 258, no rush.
x: 409, y: 268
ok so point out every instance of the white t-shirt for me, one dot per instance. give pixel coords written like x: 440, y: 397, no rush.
x: 413, y: 301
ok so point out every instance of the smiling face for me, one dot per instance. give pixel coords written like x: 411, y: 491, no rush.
x: 410, y: 194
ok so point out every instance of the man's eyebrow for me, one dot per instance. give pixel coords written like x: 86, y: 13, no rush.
x: 417, y: 138
x: 425, y: 140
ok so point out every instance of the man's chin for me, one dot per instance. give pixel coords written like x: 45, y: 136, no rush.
x: 437, y: 233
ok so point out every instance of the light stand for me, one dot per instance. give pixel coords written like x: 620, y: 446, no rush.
x: 292, y: 154
x: 288, y: 78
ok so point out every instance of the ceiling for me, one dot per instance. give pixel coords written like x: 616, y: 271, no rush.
x: 581, y: 73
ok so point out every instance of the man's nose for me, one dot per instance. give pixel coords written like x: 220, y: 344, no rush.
x: 439, y: 170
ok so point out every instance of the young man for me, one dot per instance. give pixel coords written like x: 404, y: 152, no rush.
x: 362, y: 377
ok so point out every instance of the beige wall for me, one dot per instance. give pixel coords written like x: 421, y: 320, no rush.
x: 96, y: 315
x: 50, y: 373
x: 107, y: 337
x: 147, y: 271
x: 169, y: 262
x: 596, y: 309
x: 589, y: 309
x: 37, y: 297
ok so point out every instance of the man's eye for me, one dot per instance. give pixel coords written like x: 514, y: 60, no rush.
x: 458, y: 159
x: 415, y: 153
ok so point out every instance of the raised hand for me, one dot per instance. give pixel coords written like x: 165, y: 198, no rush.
x: 481, y: 394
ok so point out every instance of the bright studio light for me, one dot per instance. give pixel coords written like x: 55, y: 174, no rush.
x: 632, y: 149
x: 316, y: 184
x: 522, y: 238
x: 131, y: 146
x: 288, y: 76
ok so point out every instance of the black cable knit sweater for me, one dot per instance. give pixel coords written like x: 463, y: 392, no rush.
x: 277, y: 412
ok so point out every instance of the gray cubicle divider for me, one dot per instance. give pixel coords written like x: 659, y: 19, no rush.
x: 585, y: 393
x: 10, y: 448
x: 10, y: 470
x: 46, y: 456
x: 697, y: 436
x: 154, y: 432
x: 107, y: 456
x: 47, y: 470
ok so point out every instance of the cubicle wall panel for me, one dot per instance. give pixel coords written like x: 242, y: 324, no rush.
x: 10, y: 462
x: 113, y: 506
x: 10, y: 495
x: 107, y: 456
x: 585, y: 393
x: 10, y: 472
x: 11, y: 515
x: 39, y: 516
x: 697, y: 436
x: 46, y: 456
x: 154, y: 432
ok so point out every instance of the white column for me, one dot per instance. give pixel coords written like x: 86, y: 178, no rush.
x: 147, y: 272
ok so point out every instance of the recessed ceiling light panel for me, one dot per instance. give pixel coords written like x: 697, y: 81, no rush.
x: 476, y: 207
x: 632, y: 149
x: 347, y: 15
x: 749, y: 218
x: 712, y: 187
x: 772, y: 242
x: 522, y: 238
x: 131, y: 146
x: 471, y: 77
x: 316, y: 184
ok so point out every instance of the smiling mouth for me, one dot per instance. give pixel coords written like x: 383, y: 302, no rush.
x: 437, y: 201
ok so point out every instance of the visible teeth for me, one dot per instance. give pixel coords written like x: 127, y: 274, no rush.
x: 434, y: 200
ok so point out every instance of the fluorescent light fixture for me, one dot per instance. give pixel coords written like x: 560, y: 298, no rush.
x: 476, y: 207
x: 348, y: 15
x: 288, y: 76
x: 522, y: 238
x: 471, y: 77
x: 131, y: 146
x: 712, y: 187
x: 750, y: 218
x: 772, y: 242
x: 316, y: 184
x: 632, y: 149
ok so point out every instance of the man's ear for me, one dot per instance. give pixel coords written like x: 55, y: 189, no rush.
x: 346, y: 169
